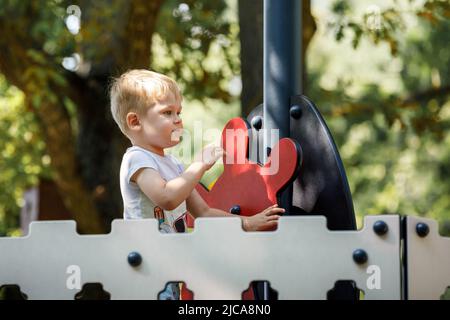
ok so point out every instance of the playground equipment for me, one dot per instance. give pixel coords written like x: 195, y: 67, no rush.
x: 302, y: 259
x: 316, y: 252
x: 390, y: 258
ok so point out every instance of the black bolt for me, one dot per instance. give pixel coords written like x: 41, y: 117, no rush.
x: 257, y: 122
x: 360, y: 256
x: 134, y: 258
x: 296, y: 112
x: 422, y: 229
x: 380, y: 227
x: 235, y: 209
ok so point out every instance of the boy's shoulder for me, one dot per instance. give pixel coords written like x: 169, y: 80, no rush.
x: 138, y: 157
x: 138, y: 153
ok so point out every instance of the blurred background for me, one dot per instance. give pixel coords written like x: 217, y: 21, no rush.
x: 378, y: 70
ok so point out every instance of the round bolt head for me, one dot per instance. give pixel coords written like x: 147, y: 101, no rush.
x: 235, y: 209
x: 296, y: 112
x: 380, y: 227
x: 257, y: 122
x: 134, y: 259
x: 422, y: 229
x: 360, y: 256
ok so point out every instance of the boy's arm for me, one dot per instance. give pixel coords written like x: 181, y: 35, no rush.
x: 168, y: 194
x: 264, y: 220
x: 199, y: 208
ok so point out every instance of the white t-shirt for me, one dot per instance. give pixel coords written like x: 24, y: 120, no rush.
x: 136, y: 204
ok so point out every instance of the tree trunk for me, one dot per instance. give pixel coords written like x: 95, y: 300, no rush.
x: 251, y: 39
x: 86, y: 166
x: 308, y: 30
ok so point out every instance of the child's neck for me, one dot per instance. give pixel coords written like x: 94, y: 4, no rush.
x: 151, y: 148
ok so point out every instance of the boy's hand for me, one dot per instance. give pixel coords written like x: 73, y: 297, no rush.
x: 265, y: 220
x: 209, y: 155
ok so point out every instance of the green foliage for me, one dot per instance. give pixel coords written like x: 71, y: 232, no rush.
x: 197, y: 43
x: 23, y: 158
x: 390, y: 116
x: 384, y: 24
x: 43, y: 21
x: 382, y: 86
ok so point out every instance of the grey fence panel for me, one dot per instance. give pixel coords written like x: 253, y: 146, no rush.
x: 302, y: 259
x: 428, y: 259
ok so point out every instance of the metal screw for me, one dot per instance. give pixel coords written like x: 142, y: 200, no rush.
x: 134, y: 258
x: 380, y: 227
x: 296, y: 112
x: 360, y: 256
x: 235, y: 209
x: 422, y: 229
x: 257, y: 122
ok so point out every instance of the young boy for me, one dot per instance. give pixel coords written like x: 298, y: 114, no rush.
x: 146, y: 106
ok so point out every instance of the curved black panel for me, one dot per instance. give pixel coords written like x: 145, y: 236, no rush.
x: 322, y: 186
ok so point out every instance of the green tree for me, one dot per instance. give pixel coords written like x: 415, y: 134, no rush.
x: 71, y: 107
x: 393, y: 139
x: 385, y: 137
x: 23, y: 154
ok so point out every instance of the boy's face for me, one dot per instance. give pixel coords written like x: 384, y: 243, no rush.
x: 160, y: 124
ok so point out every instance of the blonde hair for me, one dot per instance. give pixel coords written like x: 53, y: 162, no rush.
x: 136, y: 90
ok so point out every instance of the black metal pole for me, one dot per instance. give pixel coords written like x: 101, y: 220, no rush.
x: 282, y: 64
x: 282, y: 77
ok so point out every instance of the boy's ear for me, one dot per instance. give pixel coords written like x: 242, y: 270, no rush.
x: 133, y: 120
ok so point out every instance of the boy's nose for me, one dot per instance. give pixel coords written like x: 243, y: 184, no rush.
x: 177, y: 119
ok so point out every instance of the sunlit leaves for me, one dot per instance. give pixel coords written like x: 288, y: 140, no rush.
x: 197, y: 44
x: 394, y: 139
x: 383, y: 24
x: 378, y: 25
x: 22, y: 158
x: 435, y: 11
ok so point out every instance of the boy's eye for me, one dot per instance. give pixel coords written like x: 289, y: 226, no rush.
x: 168, y: 112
